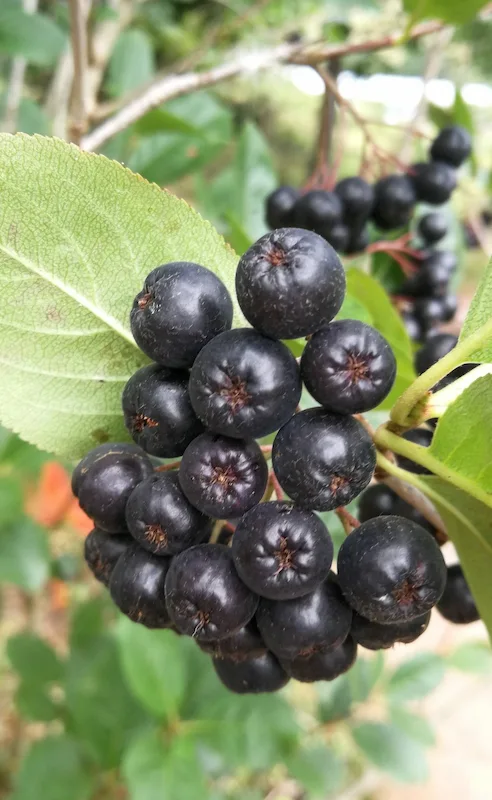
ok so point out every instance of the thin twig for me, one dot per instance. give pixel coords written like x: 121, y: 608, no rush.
x: 347, y: 519
x: 168, y: 467
x: 16, y: 81
x: 322, y: 155
x: 172, y: 86
x: 418, y: 501
x: 78, y: 33
x: 276, y: 486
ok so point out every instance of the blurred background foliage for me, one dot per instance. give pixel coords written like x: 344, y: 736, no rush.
x: 92, y: 706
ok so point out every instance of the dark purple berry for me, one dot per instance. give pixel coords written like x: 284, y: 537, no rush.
x: 348, y: 367
x: 394, y: 201
x: 290, y: 283
x: 431, y: 280
x: 280, y: 205
x: 161, y: 519
x: 434, y: 182
x: 422, y: 437
x: 452, y: 145
x: 223, y: 477
x: 432, y: 227
x: 323, y: 460
x: 377, y: 501
x: 433, y: 350
x: 104, y: 480
x: 180, y: 308
x: 252, y: 676
x: 428, y: 312
x: 357, y: 197
x: 457, y: 604
x: 324, y: 666
x: 374, y: 636
x: 245, y: 643
x: 102, y: 551
x: 358, y: 241
x: 137, y: 587
x: 449, y: 307
x: 281, y: 551
x: 205, y: 597
x: 338, y: 236
x: 317, y: 210
x: 158, y: 411
x: 390, y: 570
x: 412, y: 325
x: 245, y: 385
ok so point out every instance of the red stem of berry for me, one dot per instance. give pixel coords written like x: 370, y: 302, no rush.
x: 347, y: 519
x: 167, y: 467
x: 276, y: 486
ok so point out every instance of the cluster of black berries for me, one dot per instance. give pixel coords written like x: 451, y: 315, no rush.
x: 267, y: 607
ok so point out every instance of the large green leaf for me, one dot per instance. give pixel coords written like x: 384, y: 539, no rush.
x: 369, y: 293
x: 153, y: 665
x: 459, y: 442
x: 479, y: 315
x: 78, y: 234
x: 392, y: 750
x: 36, y: 37
x: 53, y: 769
x: 469, y: 525
x: 455, y: 12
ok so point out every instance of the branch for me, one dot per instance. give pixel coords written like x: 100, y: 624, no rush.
x: 78, y: 34
x: 417, y: 500
x: 173, y: 86
x: 16, y: 80
x: 347, y: 519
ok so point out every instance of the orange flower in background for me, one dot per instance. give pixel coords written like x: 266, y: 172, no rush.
x: 51, y: 502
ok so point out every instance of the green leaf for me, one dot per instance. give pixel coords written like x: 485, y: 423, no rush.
x: 354, y: 309
x: 254, y: 179
x: 153, y: 666
x: 24, y: 555
x: 471, y: 657
x: 416, y: 677
x: 131, y: 64
x: 34, y: 703
x: 33, y: 659
x: 367, y: 291
x: 154, y: 768
x: 11, y: 500
x: 53, y: 769
x: 31, y: 117
x: 237, y: 236
x: 318, y: 769
x: 456, y: 12
x: 34, y: 36
x: 479, y: 315
x: 392, y: 751
x: 364, y: 675
x: 79, y: 234
x: 413, y: 725
x: 459, y: 442
x: 461, y: 114
x: 335, y: 700
x: 161, y: 120
x: 469, y: 526
x: 88, y: 622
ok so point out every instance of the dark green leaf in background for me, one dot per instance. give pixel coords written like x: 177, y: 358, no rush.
x: 131, y: 64
x: 33, y: 659
x: 24, y: 555
x: 53, y: 769
x: 36, y: 37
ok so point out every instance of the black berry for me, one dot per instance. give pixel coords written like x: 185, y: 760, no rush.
x: 104, y: 480
x: 252, y: 676
x: 457, y: 604
x: 433, y: 350
x: 404, y: 509
x: 348, y: 367
x: 281, y: 551
x: 428, y: 312
x: 244, y: 384
x: 161, y: 519
x: 323, y: 460
x: 102, y: 551
x: 245, y: 643
x: 290, y: 283
x: 280, y: 205
x: 137, y: 587
x: 412, y: 325
x: 431, y: 280
x: 434, y: 182
x: 323, y: 666
x: 223, y: 477
x: 358, y: 241
x: 374, y: 636
x: 452, y: 145
x: 390, y: 570
x: 422, y: 437
x: 449, y: 307
x: 180, y: 308
x: 158, y: 411
x: 338, y: 236
x: 394, y: 201
x: 318, y: 210
x: 377, y: 501
x: 433, y: 227
x: 357, y: 197
x: 205, y: 597
x: 307, y: 625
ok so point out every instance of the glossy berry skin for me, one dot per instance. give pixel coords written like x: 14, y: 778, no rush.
x: 161, y: 519
x: 433, y: 350
x: 377, y: 501
x: 348, y: 367
x: 223, y: 477
x: 318, y: 210
x: 457, y: 604
x: 290, y: 283
x: 449, y: 307
x: 338, y: 236
x: 324, y: 666
x: 452, y: 146
x: 404, y: 509
x: 252, y: 676
x: 245, y: 643
x: 432, y: 280
x: 358, y: 241
x: 394, y: 201
x: 180, y: 308
x: 307, y: 625
x: 374, y: 636
x: 158, y: 411
x: 280, y: 205
x: 137, y: 587
x: 422, y: 437
x: 390, y: 570
x: 357, y: 198
x: 428, y: 312
x: 446, y: 259
x: 102, y: 551
x: 104, y: 480
x: 244, y: 384
x: 434, y: 182
x: 432, y: 227
x: 205, y: 597
x: 323, y: 460
x: 412, y: 325
x: 281, y: 551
